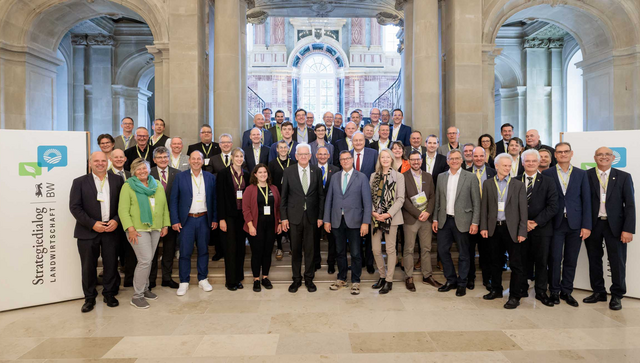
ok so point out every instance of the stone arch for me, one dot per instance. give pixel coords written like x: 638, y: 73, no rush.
x: 331, y: 49
x: 132, y: 68
x: 508, y: 71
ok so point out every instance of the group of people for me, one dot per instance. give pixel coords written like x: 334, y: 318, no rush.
x: 357, y: 185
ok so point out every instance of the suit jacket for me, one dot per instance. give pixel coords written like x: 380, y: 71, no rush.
x: 467, y: 205
x: 577, y: 200
x: 120, y: 142
x: 500, y: 148
x: 368, y: 165
x: 520, y: 167
x: 274, y: 133
x: 250, y: 206
x: 340, y: 146
x: 620, y: 201
x: 293, y: 198
x: 409, y: 211
x: 134, y: 152
x: 444, y: 149
x: 127, y: 174
x: 182, y: 164
x: 215, y: 150
x: 409, y: 148
x: 515, y: 210
x: 440, y: 166
x: 396, y: 208
x: 268, y: 138
x: 311, y: 136
x: 331, y: 170
x: 216, y: 164
x: 162, y: 141
x: 314, y: 150
x: 277, y: 171
x: 403, y: 135
x: 336, y: 134
x: 250, y: 160
x: 543, y: 205
x: 182, y: 196
x: 273, y: 153
x: 376, y: 145
x: 85, y: 207
x: 226, y: 193
x: 356, y: 201
x: 155, y: 173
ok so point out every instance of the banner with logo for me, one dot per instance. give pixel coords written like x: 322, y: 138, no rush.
x: 624, y: 145
x: 40, y: 261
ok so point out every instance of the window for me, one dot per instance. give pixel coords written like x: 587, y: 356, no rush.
x: 390, y: 39
x: 318, y: 85
x: 575, y: 95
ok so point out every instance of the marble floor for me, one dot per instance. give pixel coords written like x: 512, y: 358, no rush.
x: 325, y: 326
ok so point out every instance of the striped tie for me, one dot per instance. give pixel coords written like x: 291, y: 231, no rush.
x: 529, y: 187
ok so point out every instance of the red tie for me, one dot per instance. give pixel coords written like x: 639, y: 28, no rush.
x: 358, y: 162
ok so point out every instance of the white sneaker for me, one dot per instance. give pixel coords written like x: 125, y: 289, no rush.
x: 184, y: 286
x: 205, y: 285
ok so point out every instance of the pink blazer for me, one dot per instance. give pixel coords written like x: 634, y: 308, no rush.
x: 250, y: 206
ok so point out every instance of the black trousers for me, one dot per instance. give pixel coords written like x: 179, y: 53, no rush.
x: 617, y: 254
x: 262, y: 246
x: 302, y: 239
x: 168, y: 255
x: 499, y: 243
x: 234, y: 250
x: 446, y: 235
x: 563, y: 260
x: 367, y: 252
x: 331, y: 258
x: 105, y: 244
x: 538, y: 258
x: 484, y: 258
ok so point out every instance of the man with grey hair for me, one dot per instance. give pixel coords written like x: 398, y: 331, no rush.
x: 223, y: 159
x: 177, y: 159
x: 206, y: 146
x: 338, y: 119
x: 467, y: 154
x: 333, y: 133
x: 374, y: 115
x: 142, y: 148
x: 453, y: 137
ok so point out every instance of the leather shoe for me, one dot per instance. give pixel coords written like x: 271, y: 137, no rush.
x: 379, y: 284
x: 569, y: 299
x: 461, y: 291
x: 471, y: 284
x: 294, y: 286
x: 240, y: 285
x: 544, y: 299
x: 410, y: 285
x: 331, y: 269
x: 388, y: 286
x: 494, y: 294
x: 111, y: 301
x: 615, y: 303
x: 311, y: 287
x: 431, y: 281
x: 512, y: 303
x: 555, y: 298
x: 172, y: 284
x: 447, y: 286
x: 88, y: 305
x: 217, y: 257
x: 370, y: 269
x: 594, y: 298
x: 231, y: 287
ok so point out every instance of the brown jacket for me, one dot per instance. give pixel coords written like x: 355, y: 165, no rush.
x: 409, y: 211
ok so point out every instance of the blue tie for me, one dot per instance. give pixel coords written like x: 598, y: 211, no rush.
x: 324, y: 179
x: 344, y: 183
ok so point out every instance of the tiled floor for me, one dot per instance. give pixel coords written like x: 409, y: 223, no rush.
x: 326, y: 326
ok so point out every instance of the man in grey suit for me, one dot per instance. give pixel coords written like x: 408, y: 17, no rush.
x: 347, y: 214
x: 321, y: 131
x: 503, y: 218
x: 177, y: 159
x: 456, y: 215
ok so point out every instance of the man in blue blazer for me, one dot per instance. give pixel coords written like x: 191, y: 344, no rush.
x: 613, y: 212
x: 266, y: 137
x: 347, y: 214
x: 400, y: 132
x: 571, y: 224
x: 256, y: 153
x: 193, y: 216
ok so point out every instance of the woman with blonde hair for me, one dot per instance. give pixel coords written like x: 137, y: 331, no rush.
x: 400, y: 161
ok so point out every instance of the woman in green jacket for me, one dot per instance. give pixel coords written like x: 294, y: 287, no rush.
x: 145, y: 218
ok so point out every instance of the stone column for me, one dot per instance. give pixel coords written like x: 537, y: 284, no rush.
x: 160, y: 52
x: 522, y: 112
x: 489, y: 55
x: 407, y: 64
x: 98, y: 81
x: 557, y: 110
x: 230, y: 112
x: 79, y: 43
x: 538, y: 89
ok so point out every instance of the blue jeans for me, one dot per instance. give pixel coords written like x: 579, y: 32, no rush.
x: 342, y: 234
x: 194, y: 230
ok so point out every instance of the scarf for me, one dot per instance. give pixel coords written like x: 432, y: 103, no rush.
x: 383, y: 194
x: 142, y: 194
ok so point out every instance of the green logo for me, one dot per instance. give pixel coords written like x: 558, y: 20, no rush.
x: 29, y: 169
x: 585, y: 166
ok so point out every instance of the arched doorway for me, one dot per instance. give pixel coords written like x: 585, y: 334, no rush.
x: 318, y: 85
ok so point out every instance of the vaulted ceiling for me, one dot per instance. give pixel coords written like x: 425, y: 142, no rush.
x: 330, y: 8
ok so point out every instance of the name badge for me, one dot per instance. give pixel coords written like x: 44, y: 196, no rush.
x: 100, y: 197
x: 199, y: 198
x: 500, y: 206
x: 603, y: 197
x: 206, y: 161
x: 267, y: 210
x: 239, y: 194
x: 152, y: 201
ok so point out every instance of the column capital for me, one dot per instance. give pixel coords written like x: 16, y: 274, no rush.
x: 489, y: 53
x: 100, y: 40
x: 160, y: 51
x: 257, y: 16
x: 78, y: 40
x: 400, y: 4
x: 386, y: 18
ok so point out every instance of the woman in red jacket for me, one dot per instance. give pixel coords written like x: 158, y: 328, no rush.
x: 261, y: 209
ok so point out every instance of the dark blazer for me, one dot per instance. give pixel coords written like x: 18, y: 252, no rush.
x: 161, y: 141
x: 376, y: 145
x: 216, y: 164
x: 268, y: 138
x: 132, y: 154
x: 127, y: 174
x: 620, y: 202
x: 155, y: 173
x: 520, y: 167
x: 336, y: 134
x: 408, y: 149
x: 249, y: 159
x: 331, y: 171
x: 250, y: 206
x: 227, y: 206
x: 293, y: 198
x: 84, y: 205
x: 277, y: 172
x: 403, y: 135
x: 543, y: 205
x: 490, y: 172
x: 515, y: 209
x: 182, y: 196
x: 274, y: 134
x: 356, y: 201
x: 215, y: 149
x: 339, y: 146
x: 439, y: 167
x: 410, y: 213
x: 311, y: 136
x: 577, y: 200
x: 500, y: 147
x: 273, y: 153
x: 368, y: 165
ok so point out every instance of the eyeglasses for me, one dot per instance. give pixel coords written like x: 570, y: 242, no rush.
x: 205, y: 132
x: 455, y: 159
x: 142, y: 136
x: 162, y: 157
x: 346, y: 159
x: 106, y: 143
x: 604, y: 155
x: 563, y: 152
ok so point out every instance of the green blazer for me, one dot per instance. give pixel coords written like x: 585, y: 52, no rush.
x: 129, y: 210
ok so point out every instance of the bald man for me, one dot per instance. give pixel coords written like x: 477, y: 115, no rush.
x: 532, y: 139
x: 453, y: 137
x: 374, y: 116
x: 117, y: 164
x: 266, y: 136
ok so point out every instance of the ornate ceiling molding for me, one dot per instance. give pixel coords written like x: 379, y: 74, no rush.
x: 385, y: 18
x: 538, y: 43
x: 257, y: 16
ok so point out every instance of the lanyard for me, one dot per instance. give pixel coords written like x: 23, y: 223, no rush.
x: 501, y: 193
x: 304, y: 135
x: 166, y: 178
x: 395, y: 133
x: 145, y: 154
x: 603, y: 185
x: 514, y: 168
x: 206, y: 152
x: 117, y: 173
x: 126, y: 142
x: 290, y: 148
x: 196, y: 182
x: 288, y: 160
x: 236, y: 180
x: 564, y: 183
x: 256, y: 154
x: 429, y: 162
x: 102, y: 183
x: 155, y: 142
x: 479, y: 175
x: 226, y: 164
x: 176, y: 162
x: 418, y: 180
x: 265, y: 194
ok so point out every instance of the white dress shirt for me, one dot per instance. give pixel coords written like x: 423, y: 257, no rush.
x: 452, y: 187
x: 383, y: 145
x: 105, y: 204
x: 602, y: 211
x: 431, y: 162
x: 199, y: 198
x: 222, y: 155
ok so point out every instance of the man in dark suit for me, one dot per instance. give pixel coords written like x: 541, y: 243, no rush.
x: 141, y: 149
x: 302, y: 133
x: 266, y: 137
x: 93, y: 202
x: 274, y: 129
x: 434, y: 162
x: 542, y: 199
x: 159, y: 138
x: 383, y: 142
x: 503, y: 219
x: 416, y: 144
x: 117, y: 164
x: 515, y: 149
x: 453, y: 141
x: 287, y: 136
x: 572, y: 223
x: 323, y: 158
x: 533, y: 142
x: 223, y: 159
x: 482, y: 172
x: 206, y: 146
x: 333, y: 133
x: 613, y: 211
x: 301, y: 210
x: 345, y: 144
x: 347, y: 214
x: 399, y: 131
x: 255, y: 153
x: 338, y: 121
x: 193, y: 216
x: 506, y: 130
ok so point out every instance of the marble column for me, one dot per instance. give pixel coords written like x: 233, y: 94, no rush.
x: 98, y: 81
x: 489, y: 54
x: 538, y: 90
x: 79, y: 43
x: 557, y: 98
x: 160, y: 52
x: 407, y: 64
x: 522, y: 112
x: 230, y: 112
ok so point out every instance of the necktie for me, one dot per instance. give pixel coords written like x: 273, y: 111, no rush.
x: 344, y: 183
x: 479, y: 180
x: 324, y: 180
x: 163, y: 180
x: 329, y: 134
x: 305, y: 181
x: 262, y: 137
x: 529, y: 187
x: 121, y: 173
x: 358, y: 162
x: 602, y: 211
x: 226, y: 160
